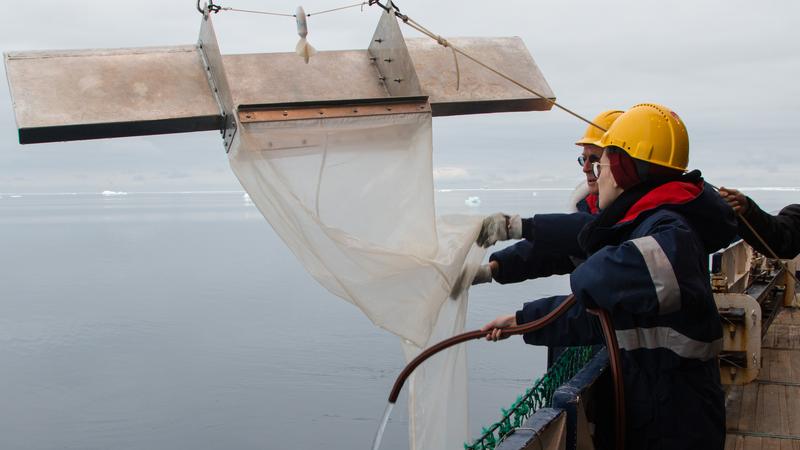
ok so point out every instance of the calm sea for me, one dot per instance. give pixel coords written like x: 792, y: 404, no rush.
x: 180, y: 320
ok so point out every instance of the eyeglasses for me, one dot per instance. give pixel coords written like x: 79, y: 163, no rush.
x: 582, y: 160
x: 596, y: 168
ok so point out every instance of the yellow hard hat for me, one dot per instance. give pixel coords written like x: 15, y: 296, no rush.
x: 593, y: 134
x: 652, y: 133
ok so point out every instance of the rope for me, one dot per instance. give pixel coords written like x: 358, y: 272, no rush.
x: 215, y: 8
x: 445, y: 43
x: 338, y: 9
x: 772, y: 253
x: 228, y: 8
x: 458, y: 71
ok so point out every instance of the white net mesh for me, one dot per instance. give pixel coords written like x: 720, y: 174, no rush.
x: 353, y: 199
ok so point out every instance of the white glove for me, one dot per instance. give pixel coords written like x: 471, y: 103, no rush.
x: 499, y: 227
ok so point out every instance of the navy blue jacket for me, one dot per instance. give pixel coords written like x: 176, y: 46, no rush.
x: 648, y: 267
x: 550, y: 247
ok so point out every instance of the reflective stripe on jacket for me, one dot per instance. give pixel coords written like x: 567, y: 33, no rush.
x: 654, y: 282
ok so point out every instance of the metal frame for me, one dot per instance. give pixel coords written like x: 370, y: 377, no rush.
x: 740, y: 359
x: 279, y: 112
x: 208, y: 49
x: 389, y: 53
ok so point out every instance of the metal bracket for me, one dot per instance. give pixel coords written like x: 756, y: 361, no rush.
x: 215, y: 71
x: 389, y: 53
x: 280, y: 112
x: 741, y: 348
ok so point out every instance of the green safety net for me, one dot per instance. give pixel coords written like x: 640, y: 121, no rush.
x: 540, y: 395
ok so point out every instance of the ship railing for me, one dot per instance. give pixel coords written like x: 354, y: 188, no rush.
x: 535, y: 415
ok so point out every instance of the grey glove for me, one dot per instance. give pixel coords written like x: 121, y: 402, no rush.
x: 482, y: 275
x: 499, y: 227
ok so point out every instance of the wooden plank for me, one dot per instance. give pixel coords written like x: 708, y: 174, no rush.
x: 794, y: 337
x: 793, y: 412
x: 768, y: 417
x: 88, y: 94
x: 771, y: 444
x: 751, y: 443
x: 769, y: 339
x: 437, y: 75
x: 767, y: 355
x: 782, y: 336
x: 68, y: 95
x: 733, y: 442
x: 748, y: 407
x: 733, y: 406
x: 783, y: 368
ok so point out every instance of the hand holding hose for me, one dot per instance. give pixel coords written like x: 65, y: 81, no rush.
x: 494, y: 328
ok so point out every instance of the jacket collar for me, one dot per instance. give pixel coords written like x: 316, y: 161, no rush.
x: 672, y: 193
x: 611, y: 225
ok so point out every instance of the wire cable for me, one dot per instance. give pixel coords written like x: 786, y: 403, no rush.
x: 272, y: 13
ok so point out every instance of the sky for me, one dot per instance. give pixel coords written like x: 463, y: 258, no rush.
x: 729, y: 68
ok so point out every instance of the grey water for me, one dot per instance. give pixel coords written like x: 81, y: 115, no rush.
x: 180, y: 320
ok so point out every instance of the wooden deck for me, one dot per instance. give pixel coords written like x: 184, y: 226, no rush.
x: 765, y: 414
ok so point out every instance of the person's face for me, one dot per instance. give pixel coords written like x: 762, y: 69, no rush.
x: 607, y: 187
x: 591, y: 153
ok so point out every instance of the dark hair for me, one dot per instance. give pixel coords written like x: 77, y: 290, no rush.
x: 648, y: 171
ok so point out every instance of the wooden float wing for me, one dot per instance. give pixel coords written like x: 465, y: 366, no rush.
x: 92, y: 94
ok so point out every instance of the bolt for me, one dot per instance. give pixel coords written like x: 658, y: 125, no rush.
x: 379, y: 40
x: 381, y: 77
x: 398, y: 80
x: 285, y: 113
x: 355, y: 111
x: 388, y: 60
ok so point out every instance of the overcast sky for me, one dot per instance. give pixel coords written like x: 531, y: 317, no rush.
x: 729, y: 68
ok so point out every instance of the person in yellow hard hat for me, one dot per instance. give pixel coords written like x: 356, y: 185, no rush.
x: 647, y: 266
x: 585, y: 195
x: 526, y: 259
